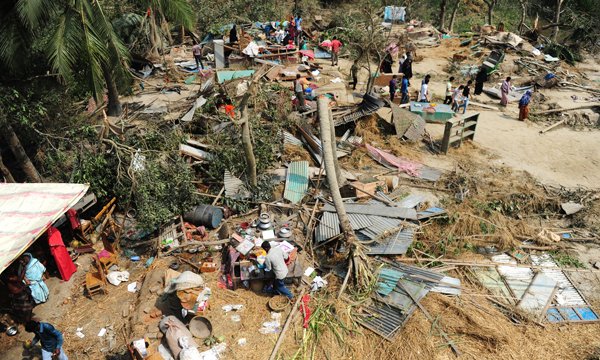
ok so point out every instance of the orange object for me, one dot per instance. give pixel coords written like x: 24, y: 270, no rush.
x: 229, y: 110
x: 208, y: 267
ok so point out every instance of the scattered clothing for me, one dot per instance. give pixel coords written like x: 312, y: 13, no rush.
x: 65, y: 265
x: 34, y: 274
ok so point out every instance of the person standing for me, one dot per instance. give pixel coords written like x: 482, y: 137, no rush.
x: 401, y: 62
x: 275, y: 262
x: 504, y: 90
x: 466, y: 93
x: 448, y: 99
x: 335, y: 50
x: 50, y: 339
x: 233, y: 37
x: 479, y: 80
x: 407, y: 67
x: 404, y: 91
x: 393, y: 87
x: 354, y: 74
x: 32, y: 274
x: 197, y: 51
x: 299, y: 91
x: 386, y: 64
x: 524, y: 106
x: 20, y: 299
x: 424, y: 95
x: 457, y: 98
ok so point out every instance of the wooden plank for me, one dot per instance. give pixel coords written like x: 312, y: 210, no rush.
x: 552, y: 126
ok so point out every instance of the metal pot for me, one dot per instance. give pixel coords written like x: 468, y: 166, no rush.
x: 12, y: 331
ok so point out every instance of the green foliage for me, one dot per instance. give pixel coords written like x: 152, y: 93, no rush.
x: 21, y: 108
x: 566, y: 260
x: 163, y: 190
x: 98, y: 171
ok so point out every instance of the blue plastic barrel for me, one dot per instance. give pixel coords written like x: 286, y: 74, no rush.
x: 206, y: 215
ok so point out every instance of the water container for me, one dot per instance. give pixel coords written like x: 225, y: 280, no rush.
x: 207, y: 215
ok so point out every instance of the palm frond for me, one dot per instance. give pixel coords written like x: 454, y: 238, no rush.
x: 34, y: 13
x: 14, y: 42
x: 176, y: 11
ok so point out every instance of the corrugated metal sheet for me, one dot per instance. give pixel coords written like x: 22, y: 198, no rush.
x: 415, y: 130
x: 517, y: 278
x: 567, y: 294
x: 359, y: 221
x: 400, y: 299
x: 379, y: 226
x: 538, y: 294
x: 396, y: 244
x: 328, y: 227
x: 411, y: 201
x: 491, y: 279
x: 383, y: 319
x: 288, y: 138
x: 296, y: 182
x: 232, y: 184
x: 356, y: 140
x: 430, y: 212
x: 378, y: 210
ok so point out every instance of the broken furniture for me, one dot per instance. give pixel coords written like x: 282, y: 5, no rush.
x: 492, y: 63
x: 88, y: 228
x: 95, y: 281
x: 432, y: 112
x: 458, y: 130
x: 109, y: 260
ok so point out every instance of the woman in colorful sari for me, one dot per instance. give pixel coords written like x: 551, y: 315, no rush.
x: 504, y: 90
x: 33, y: 275
x: 524, y: 106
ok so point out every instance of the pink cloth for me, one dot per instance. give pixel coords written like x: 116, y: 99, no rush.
x: 61, y: 255
x: 504, y: 92
x: 308, y: 53
x: 73, y: 219
x: 409, y: 167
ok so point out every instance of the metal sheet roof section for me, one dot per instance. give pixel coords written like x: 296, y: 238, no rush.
x: 396, y: 244
x: 296, y: 182
x: 232, y: 184
x: 328, y: 227
x: 517, y: 278
x: 383, y: 319
x: 359, y: 221
x: 567, y: 294
x: 491, y: 279
x: 430, y: 212
x: 378, y: 210
x: 538, y: 294
x: 288, y: 138
x: 411, y: 201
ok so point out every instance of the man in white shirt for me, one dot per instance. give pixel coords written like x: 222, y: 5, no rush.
x: 424, y: 96
x: 275, y: 262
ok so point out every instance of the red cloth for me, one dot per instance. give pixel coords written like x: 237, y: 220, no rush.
x: 336, y: 45
x: 61, y: 256
x: 73, y: 218
x: 303, y: 307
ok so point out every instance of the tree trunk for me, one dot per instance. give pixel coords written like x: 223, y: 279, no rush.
x: 5, y: 171
x: 453, y: 16
x: 154, y: 38
x: 248, y: 149
x: 490, y: 12
x: 113, y: 108
x: 338, y: 173
x: 442, y: 20
x: 523, y: 14
x: 556, y: 19
x: 329, y: 164
x: 21, y: 156
x: 182, y: 35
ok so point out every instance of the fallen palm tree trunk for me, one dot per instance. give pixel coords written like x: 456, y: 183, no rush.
x: 553, y: 111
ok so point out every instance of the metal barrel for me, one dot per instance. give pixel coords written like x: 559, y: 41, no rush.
x: 207, y: 215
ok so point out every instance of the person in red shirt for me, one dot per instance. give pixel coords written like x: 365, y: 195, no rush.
x: 335, y: 50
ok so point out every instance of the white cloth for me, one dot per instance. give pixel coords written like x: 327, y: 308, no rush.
x: 276, y: 262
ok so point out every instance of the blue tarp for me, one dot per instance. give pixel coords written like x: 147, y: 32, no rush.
x: 394, y: 13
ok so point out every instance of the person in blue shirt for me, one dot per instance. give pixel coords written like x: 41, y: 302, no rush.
x: 50, y: 339
x: 404, y: 91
